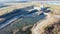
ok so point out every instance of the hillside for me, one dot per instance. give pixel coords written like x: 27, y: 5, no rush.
x: 37, y: 23
x: 12, y: 7
x: 51, y: 24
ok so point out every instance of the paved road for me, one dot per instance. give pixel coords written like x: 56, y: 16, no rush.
x: 10, y: 17
x: 14, y: 15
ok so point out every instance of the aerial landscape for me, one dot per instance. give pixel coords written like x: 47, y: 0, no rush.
x: 29, y: 17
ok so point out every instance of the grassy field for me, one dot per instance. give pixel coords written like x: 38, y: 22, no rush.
x: 18, y: 23
x: 40, y: 28
x: 21, y: 5
x: 12, y: 7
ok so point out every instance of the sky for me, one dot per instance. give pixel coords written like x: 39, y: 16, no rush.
x: 11, y: 0
x: 18, y: 0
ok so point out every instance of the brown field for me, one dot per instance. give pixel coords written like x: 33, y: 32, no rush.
x: 12, y: 7
x: 47, y: 23
x: 21, y: 5
x: 16, y: 26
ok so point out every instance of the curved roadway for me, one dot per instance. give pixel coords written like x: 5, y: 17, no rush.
x: 10, y: 17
